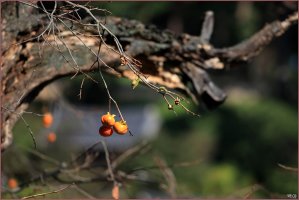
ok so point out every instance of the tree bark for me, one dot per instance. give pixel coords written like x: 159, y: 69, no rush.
x: 173, y: 61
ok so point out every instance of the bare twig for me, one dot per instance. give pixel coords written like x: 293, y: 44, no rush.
x: 181, y: 164
x: 26, y: 124
x: 108, y: 162
x: 81, y: 86
x: 83, y: 192
x: 127, y: 154
x: 168, y: 175
x: 43, y: 156
x: 105, y: 84
x: 292, y: 169
x: 258, y: 187
x: 47, y: 193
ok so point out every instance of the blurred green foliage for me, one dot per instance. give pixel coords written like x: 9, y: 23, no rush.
x: 237, y: 146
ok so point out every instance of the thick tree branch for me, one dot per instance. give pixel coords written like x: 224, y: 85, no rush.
x: 257, y: 42
x: 167, y: 59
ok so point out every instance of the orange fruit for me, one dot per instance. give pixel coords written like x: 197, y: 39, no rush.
x: 51, y: 137
x: 115, y: 192
x: 47, y: 119
x: 108, y: 119
x: 12, y: 183
x: 121, y: 127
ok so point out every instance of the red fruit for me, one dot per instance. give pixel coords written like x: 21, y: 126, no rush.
x: 108, y: 119
x: 105, y: 131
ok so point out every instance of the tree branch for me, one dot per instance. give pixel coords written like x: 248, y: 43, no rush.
x: 67, y: 49
x: 257, y: 42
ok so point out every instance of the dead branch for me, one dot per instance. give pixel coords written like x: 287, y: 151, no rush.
x: 257, y: 42
x: 168, y: 175
x: 70, y: 44
x: 127, y: 154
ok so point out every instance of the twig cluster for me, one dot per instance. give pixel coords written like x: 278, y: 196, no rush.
x: 69, y: 173
x: 67, y: 17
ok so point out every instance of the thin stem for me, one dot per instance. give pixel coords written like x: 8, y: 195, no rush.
x: 47, y: 193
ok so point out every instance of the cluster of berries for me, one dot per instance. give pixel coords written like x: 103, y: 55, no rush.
x: 48, y: 121
x: 109, y: 125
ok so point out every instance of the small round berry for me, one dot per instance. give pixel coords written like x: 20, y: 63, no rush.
x: 47, y: 119
x: 170, y: 107
x: 121, y: 127
x: 12, y: 183
x: 108, y: 119
x: 51, y: 137
x: 105, y: 131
